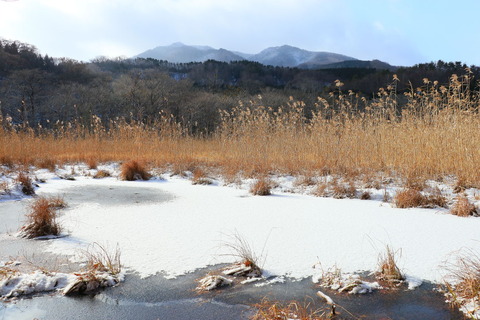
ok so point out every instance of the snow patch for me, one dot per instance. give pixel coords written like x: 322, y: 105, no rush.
x: 413, y: 282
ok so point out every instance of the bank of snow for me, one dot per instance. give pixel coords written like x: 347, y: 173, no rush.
x: 294, y: 232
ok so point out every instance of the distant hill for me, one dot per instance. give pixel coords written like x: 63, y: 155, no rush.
x: 181, y: 53
x: 366, y: 64
x: 283, y: 56
x: 288, y: 56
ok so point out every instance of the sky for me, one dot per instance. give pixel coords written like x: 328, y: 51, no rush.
x: 400, y: 32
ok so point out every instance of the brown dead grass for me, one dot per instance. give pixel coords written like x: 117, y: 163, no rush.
x: 241, y: 249
x: 388, y: 266
x: 26, y: 183
x: 269, y: 310
x: 133, y: 170
x: 101, y: 258
x: 435, y: 198
x: 6, y: 161
x: 200, y: 177
x: 462, y: 207
x: 412, y: 198
x: 435, y: 134
x: 463, y: 278
x: 57, y: 202
x: 415, y: 181
x: 409, y: 198
x: 7, y: 273
x: 344, y: 190
x: 261, y: 187
x: 42, y: 218
x: 92, y: 163
x: 46, y: 163
x: 102, y: 174
x: 102, y: 270
x: 321, y: 190
x: 304, y: 181
x: 365, y: 195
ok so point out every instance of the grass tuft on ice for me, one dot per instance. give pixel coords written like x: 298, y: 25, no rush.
x: 462, y: 282
x: 388, y: 266
x: 42, y: 218
x: 133, y: 170
x: 103, y: 269
x: 248, y: 263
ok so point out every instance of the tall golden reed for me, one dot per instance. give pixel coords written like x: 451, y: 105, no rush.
x: 435, y: 134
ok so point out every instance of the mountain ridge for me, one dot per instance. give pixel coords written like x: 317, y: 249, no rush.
x: 280, y: 56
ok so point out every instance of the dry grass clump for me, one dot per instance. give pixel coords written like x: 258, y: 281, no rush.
x: 365, y: 195
x: 304, y: 181
x: 463, y: 208
x: 335, y: 188
x: 241, y: 249
x: 344, y: 190
x: 412, y: 198
x: 372, y: 181
x: 26, y: 184
x: 42, y: 218
x: 415, y: 181
x: 99, y: 258
x: 435, y: 198
x: 102, y: 174
x: 92, y: 163
x: 231, y: 175
x: 200, y: 177
x: 46, y: 163
x: 6, y: 161
x: 409, y: 198
x: 103, y: 269
x: 321, y: 190
x: 261, y: 187
x: 7, y: 273
x: 388, y: 266
x: 57, y: 202
x: 268, y: 310
x: 462, y: 184
x: 133, y: 170
x: 463, y: 280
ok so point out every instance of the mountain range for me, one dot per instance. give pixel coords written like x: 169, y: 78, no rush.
x: 282, y: 56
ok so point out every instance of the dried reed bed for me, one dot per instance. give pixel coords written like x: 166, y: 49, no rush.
x: 274, y: 310
x: 434, y: 133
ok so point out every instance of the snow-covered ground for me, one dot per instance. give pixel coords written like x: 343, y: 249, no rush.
x: 291, y: 232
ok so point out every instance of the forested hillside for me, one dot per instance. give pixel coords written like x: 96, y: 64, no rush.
x: 36, y: 89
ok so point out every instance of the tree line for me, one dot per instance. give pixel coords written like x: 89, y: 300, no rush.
x: 41, y: 90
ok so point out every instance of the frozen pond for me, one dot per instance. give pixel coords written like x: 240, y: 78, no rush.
x: 160, y: 298
x: 156, y: 297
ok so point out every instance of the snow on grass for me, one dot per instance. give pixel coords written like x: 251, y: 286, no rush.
x: 187, y: 233
x: 16, y: 284
x: 38, y: 281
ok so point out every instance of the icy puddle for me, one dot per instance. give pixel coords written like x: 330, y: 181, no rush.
x: 12, y: 215
x: 170, y: 232
x: 110, y: 195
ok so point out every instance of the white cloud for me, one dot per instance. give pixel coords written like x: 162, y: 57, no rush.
x: 84, y: 29
x: 379, y: 26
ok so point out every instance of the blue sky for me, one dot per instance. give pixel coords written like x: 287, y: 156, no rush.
x: 401, y: 32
